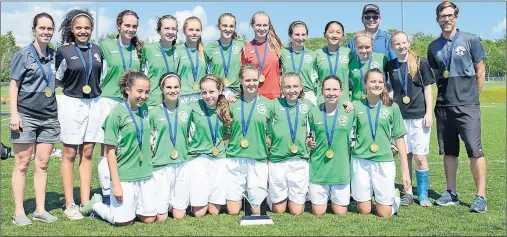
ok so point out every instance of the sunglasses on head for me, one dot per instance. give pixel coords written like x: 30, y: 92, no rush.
x: 370, y: 17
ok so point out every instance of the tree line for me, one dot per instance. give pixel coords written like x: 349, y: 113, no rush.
x: 495, y: 61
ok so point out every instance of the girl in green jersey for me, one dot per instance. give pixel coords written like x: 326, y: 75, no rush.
x: 248, y: 147
x: 330, y: 126
x: 296, y: 58
x: 191, y: 60
x: 206, y: 165
x: 288, y: 157
x: 127, y: 138
x: 159, y: 57
x: 378, y: 121
x: 224, y: 55
x: 120, y: 54
x: 170, y: 123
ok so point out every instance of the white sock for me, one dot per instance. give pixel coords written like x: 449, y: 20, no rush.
x: 103, y: 211
x: 105, y: 180
x: 396, y: 204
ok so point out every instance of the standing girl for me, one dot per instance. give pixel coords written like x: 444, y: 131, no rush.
x: 288, y: 158
x: 127, y: 138
x: 248, y: 146
x: 120, y: 54
x: 296, y: 58
x: 191, y: 61
x: 160, y: 57
x: 206, y: 154
x: 79, y: 68
x: 170, y: 123
x: 333, y: 60
x: 224, y: 55
x: 366, y: 60
x: 378, y: 121
x: 34, y: 117
x: 411, y: 78
x: 264, y: 52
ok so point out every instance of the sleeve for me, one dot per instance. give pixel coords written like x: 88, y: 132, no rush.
x: 144, y: 60
x: 311, y: 121
x: 60, y: 65
x: 431, y: 58
x: 385, y: 59
x: 111, y: 129
x: 269, y: 121
x: 477, y: 50
x: 243, y: 55
x: 398, y: 126
x: 350, y: 44
x: 18, y: 66
x: 427, y: 76
x: 387, y: 72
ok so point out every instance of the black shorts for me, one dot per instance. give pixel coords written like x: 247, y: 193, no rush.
x: 462, y: 120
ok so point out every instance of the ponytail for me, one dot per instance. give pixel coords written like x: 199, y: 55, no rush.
x: 127, y: 80
x: 413, y: 64
x: 222, y: 104
x: 274, y: 41
x: 235, y: 34
x: 384, y: 96
x: 200, y: 45
x: 134, y: 41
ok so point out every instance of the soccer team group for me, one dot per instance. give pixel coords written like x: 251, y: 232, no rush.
x: 184, y: 125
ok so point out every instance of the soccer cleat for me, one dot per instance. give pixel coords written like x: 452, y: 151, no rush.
x: 88, y: 207
x: 447, y: 198
x: 480, y: 205
x: 407, y: 199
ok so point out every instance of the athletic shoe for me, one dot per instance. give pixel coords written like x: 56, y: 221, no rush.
x: 447, y: 198
x: 407, y: 199
x: 72, y: 212
x: 479, y: 204
x: 21, y: 220
x: 88, y: 207
x: 45, y: 217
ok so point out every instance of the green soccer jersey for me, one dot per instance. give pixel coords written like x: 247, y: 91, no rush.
x: 115, y: 70
x: 308, y: 72
x: 324, y: 69
x: 153, y: 57
x: 163, y: 145
x: 216, y: 62
x: 390, y: 126
x: 280, y: 133
x: 378, y: 60
x: 202, y: 142
x: 120, y: 132
x: 256, y: 135
x: 185, y: 69
x: 336, y: 170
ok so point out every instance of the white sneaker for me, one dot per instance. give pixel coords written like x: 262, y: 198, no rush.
x: 72, y: 212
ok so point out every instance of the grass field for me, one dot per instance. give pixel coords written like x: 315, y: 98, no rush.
x: 414, y: 220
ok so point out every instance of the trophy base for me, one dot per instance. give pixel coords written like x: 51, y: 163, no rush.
x: 255, y: 220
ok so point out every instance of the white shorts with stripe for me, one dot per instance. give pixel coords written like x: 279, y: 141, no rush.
x: 418, y: 137
x: 80, y: 120
x: 138, y: 199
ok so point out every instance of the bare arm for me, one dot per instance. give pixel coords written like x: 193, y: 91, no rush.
x: 113, y: 170
x: 400, y: 144
x: 428, y: 99
x: 15, y: 123
x: 480, y: 72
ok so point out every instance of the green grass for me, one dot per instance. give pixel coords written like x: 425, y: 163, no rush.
x: 414, y: 220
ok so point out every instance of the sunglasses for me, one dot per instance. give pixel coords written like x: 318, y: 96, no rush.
x: 371, y: 17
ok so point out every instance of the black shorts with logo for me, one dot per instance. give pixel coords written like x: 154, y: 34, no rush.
x: 462, y: 120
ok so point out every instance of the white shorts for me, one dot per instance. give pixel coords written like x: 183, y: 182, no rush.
x: 309, y: 95
x: 245, y: 174
x: 372, y: 176
x: 190, y: 98
x: 418, y: 137
x: 339, y: 194
x: 106, y: 106
x: 178, y: 184
x: 163, y: 191
x: 138, y: 198
x: 288, y: 179
x: 79, y: 120
x: 207, y: 180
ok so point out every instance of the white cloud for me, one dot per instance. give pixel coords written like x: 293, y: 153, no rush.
x: 243, y: 28
x: 500, y: 26
x: 105, y: 24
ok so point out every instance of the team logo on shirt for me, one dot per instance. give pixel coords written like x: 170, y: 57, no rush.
x: 343, y: 59
x: 134, y: 56
x: 97, y: 57
x: 342, y: 120
x: 375, y: 65
x: 308, y: 58
x: 183, y: 116
x: 236, y: 50
x: 74, y: 57
x: 145, y: 113
x: 261, y: 108
x: 460, y: 50
x: 384, y: 113
x: 303, y: 108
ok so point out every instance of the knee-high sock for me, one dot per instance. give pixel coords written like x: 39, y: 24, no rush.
x: 103, y: 211
x: 422, y: 177
x: 105, y: 179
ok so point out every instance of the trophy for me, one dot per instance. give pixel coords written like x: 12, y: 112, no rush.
x: 253, y: 219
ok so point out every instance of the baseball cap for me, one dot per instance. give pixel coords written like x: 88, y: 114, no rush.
x: 371, y: 7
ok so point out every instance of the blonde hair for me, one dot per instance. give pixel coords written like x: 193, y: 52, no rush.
x: 293, y: 75
x: 363, y: 33
x: 222, y: 104
x: 413, y: 65
x: 242, y: 71
x: 235, y: 34
x: 200, y: 45
x: 274, y: 41
x: 384, y: 96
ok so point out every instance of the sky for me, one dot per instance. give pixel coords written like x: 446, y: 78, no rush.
x: 486, y: 19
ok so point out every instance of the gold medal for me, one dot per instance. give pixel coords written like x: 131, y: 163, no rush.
x: 87, y: 89
x: 48, y: 92
x: 215, y: 151
x: 446, y: 74
x: 374, y: 148
x: 195, y: 87
x: 329, y: 153
x: 227, y: 82
x: 406, y: 100
x: 244, y: 143
x: 262, y: 78
x: 174, y: 154
x: 294, y: 149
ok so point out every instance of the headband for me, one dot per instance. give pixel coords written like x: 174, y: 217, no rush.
x: 81, y: 14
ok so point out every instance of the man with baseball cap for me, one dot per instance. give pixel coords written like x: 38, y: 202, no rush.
x: 381, y: 39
